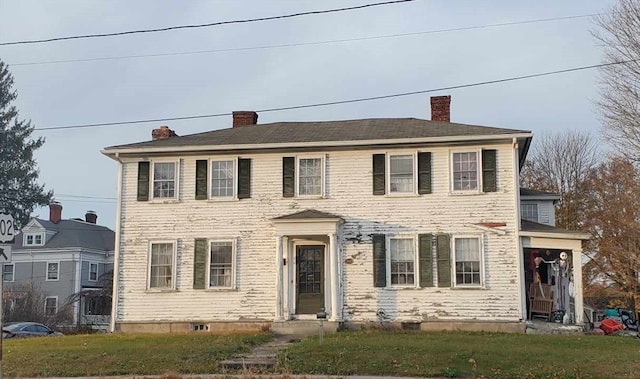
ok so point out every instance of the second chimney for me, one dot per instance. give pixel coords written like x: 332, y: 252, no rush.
x: 244, y: 118
x: 162, y: 132
x: 55, y: 212
x: 91, y: 217
x: 441, y: 108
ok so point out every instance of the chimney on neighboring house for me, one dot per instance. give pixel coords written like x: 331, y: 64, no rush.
x: 244, y: 118
x: 55, y: 212
x: 441, y: 108
x: 91, y: 217
x: 162, y: 132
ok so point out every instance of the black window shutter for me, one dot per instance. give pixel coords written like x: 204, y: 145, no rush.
x: 443, y: 251
x: 488, y: 171
x: 202, y: 169
x: 199, y: 264
x: 288, y: 176
x: 426, y: 267
x: 424, y: 173
x: 244, y: 178
x: 379, y: 261
x: 143, y: 181
x: 378, y: 174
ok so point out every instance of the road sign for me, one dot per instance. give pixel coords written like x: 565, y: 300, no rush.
x: 7, y: 228
x: 5, y: 253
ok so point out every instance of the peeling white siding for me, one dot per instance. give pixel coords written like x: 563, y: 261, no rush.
x: 349, y: 195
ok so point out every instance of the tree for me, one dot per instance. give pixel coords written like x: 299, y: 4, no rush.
x: 619, y: 104
x: 19, y: 191
x: 560, y: 163
x: 26, y: 302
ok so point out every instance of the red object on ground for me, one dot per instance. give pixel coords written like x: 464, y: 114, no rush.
x: 610, y: 325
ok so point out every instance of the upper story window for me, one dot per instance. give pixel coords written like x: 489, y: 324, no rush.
x: 465, y: 171
x: 402, y: 173
x: 33, y: 239
x: 473, y: 171
x: 529, y: 211
x: 303, y: 176
x: 93, y: 272
x: 164, y: 180
x: 53, y: 270
x: 468, y: 258
x: 222, y: 178
x: 161, y: 265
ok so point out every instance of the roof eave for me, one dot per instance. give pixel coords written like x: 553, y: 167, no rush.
x: 566, y: 235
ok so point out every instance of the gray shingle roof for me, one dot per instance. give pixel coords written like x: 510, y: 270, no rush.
x: 72, y: 233
x: 326, y: 131
x: 532, y: 192
x: 308, y: 214
x: 530, y: 226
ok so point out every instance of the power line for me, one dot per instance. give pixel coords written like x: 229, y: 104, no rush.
x: 194, y: 26
x: 338, y: 102
x: 85, y: 196
x: 264, y: 47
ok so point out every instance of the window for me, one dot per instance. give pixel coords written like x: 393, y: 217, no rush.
x: 8, y: 272
x: 402, y: 261
x: 161, y: 262
x: 33, y: 239
x: 310, y: 176
x: 401, y: 174
x: 51, y: 305
x: 221, y: 264
x: 97, y: 305
x: 53, y: 270
x: 529, y: 212
x: 467, y: 262
x: 222, y: 178
x: 465, y: 171
x: 93, y: 272
x: 164, y: 180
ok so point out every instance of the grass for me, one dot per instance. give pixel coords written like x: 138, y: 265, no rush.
x: 123, y: 354
x: 478, y: 355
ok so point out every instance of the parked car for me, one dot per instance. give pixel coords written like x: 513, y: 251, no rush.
x: 27, y: 329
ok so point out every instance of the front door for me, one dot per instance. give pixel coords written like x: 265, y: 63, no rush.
x: 309, y: 279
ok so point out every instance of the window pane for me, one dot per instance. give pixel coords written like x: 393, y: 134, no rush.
x: 467, y: 256
x: 529, y: 212
x: 222, y: 173
x: 52, y: 271
x: 221, y: 264
x: 161, y: 271
x: 164, y: 179
x: 402, y: 261
x: 465, y: 171
x: 310, y: 176
x: 7, y: 272
x: 401, y: 173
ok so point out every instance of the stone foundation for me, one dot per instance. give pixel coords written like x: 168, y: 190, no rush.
x: 186, y: 327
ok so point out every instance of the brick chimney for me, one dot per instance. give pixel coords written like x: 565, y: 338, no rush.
x: 244, y: 118
x: 91, y: 217
x: 441, y: 108
x: 55, y: 212
x: 162, y: 132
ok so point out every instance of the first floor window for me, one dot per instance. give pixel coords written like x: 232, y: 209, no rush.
x: 529, y: 212
x: 465, y: 171
x: 161, y: 266
x: 221, y: 264
x: 401, y: 174
x: 53, y: 270
x: 51, y: 306
x: 164, y: 180
x: 222, y: 174
x: 93, y: 272
x: 97, y: 305
x: 310, y: 176
x: 402, y: 257
x: 8, y: 272
x: 467, y: 261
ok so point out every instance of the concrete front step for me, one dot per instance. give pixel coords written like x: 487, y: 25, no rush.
x: 303, y: 327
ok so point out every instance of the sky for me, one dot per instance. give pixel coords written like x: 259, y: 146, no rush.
x: 244, y: 77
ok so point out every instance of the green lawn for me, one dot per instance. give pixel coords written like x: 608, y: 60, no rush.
x: 465, y: 355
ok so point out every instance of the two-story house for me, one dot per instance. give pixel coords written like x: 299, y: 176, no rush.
x: 58, y: 259
x: 373, y: 220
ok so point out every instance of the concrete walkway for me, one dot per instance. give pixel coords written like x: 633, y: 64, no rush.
x: 261, y: 358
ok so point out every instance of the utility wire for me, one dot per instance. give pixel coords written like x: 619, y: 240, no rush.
x: 264, y: 47
x: 194, y: 26
x: 337, y: 102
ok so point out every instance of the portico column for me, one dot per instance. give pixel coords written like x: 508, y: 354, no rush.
x: 577, y: 285
x: 279, y: 281
x: 335, y: 279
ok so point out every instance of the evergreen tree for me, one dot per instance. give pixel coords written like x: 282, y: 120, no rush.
x: 19, y: 191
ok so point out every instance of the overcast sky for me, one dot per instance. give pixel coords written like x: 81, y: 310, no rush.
x: 60, y: 94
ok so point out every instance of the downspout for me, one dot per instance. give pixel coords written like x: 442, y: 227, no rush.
x: 78, y: 286
x: 116, y: 248
x: 522, y: 307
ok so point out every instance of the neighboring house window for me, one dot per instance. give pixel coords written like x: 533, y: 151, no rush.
x: 161, y: 266
x: 310, y: 176
x: 221, y: 257
x: 51, y: 306
x: 401, y: 174
x: 529, y: 212
x: 33, y: 239
x: 53, y: 270
x: 97, y: 305
x: 222, y: 178
x: 465, y: 171
x: 8, y: 272
x: 93, y: 272
x: 467, y: 262
x: 402, y: 261
x: 164, y: 180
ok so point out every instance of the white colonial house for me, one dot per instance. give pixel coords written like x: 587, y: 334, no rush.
x: 373, y: 220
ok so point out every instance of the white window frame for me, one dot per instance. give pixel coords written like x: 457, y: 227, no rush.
x: 13, y: 272
x: 414, y: 157
x: 234, y: 195
x: 46, y: 300
x: 537, y: 211
x: 233, y: 242
x: 46, y: 270
x: 454, y: 277
x: 416, y: 279
x: 478, y: 153
x: 93, y: 264
x: 323, y: 169
x: 176, y: 180
x: 33, y: 239
x: 173, y: 286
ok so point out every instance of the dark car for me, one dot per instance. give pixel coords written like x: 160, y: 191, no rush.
x: 27, y: 329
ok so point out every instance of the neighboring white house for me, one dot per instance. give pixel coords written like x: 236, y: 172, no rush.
x: 400, y: 220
